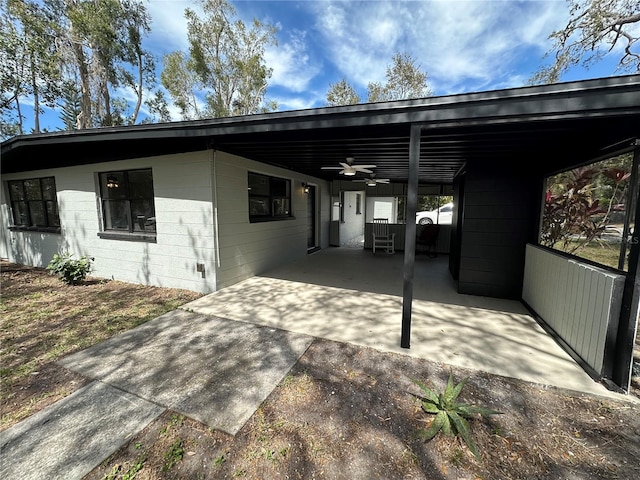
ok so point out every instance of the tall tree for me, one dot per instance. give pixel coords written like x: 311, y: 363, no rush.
x: 158, y: 108
x: 226, y: 60
x: 71, y: 41
x: 103, y: 40
x: 341, y: 93
x: 12, y: 85
x: 181, y: 81
x: 595, y: 29
x: 141, y: 75
x: 404, y: 80
x: 29, y: 59
x: 70, y: 106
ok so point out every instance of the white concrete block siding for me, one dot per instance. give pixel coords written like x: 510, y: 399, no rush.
x: 185, y: 199
x: 184, y: 213
x: 247, y: 249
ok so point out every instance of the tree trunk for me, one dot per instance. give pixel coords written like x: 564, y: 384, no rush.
x: 84, y: 120
x: 138, y: 90
x: 20, y: 117
x: 36, y: 97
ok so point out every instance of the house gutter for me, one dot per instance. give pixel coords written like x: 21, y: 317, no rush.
x: 214, y: 199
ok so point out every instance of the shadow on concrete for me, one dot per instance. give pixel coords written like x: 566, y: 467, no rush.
x: 213, y: 370
x: 351, y: 296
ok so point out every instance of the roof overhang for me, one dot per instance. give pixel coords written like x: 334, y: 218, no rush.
x: 545, y: 127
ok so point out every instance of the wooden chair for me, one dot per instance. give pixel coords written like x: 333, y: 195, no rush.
x: 381, y: 236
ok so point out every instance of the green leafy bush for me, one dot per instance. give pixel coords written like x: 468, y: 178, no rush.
x: 71, y: 271
x: 450, y: 415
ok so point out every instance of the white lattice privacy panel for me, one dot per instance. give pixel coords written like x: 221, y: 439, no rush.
x: 579, y: 301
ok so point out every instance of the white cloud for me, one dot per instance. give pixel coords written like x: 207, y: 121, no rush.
x: 481, y: 41
x: 456, y: 42
x: 168, y: 27
x: 294, y: 103
x: 358, y: 38
x: 291, y: 63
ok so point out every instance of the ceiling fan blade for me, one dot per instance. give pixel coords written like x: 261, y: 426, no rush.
x: 364, y: 166
x: 331, y: 168
x: 344, y: 165
x: 364, y: 170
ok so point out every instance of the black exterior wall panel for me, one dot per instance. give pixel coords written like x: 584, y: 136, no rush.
x: 499, y: 221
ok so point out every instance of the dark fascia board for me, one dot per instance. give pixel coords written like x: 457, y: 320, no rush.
x: 580, y: 99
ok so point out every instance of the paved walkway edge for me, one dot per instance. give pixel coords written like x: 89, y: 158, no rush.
x: 71, y: 437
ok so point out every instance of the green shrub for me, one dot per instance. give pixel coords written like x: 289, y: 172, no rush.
x: 70, y: 271
x: 450, y: 415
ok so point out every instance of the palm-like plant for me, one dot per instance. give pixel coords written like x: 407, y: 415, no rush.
x: 450, y: 414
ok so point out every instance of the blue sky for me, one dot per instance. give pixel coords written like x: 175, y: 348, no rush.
x: 464, y: 46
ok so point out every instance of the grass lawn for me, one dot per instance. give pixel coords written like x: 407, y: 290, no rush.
x: 44, y: 319
x: 600, y: 252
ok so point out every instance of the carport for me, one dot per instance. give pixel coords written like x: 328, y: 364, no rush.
x: 493, y: 149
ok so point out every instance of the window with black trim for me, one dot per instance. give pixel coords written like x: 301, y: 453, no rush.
x: 34, y: 204
x: 269, y: 198
x: 128, y: 202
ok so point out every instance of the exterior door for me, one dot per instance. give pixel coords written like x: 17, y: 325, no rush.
x: 311, y: 218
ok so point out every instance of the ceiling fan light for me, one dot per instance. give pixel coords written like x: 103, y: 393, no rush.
x: 371, y: 183
x: 350, y: 171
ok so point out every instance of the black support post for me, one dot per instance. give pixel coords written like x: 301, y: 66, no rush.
x: 630, y: 309
x: 410, y: 235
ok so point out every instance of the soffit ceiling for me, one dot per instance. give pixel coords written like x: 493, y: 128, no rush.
x: 536, y: 146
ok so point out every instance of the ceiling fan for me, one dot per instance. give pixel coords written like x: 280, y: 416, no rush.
x: 372, y: 181
x: 349, y: 169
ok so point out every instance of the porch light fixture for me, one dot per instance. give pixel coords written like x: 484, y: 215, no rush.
x: 112, y: 182
x: 305, y: 187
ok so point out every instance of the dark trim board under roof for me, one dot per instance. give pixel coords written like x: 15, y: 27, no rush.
x: 542, y: 127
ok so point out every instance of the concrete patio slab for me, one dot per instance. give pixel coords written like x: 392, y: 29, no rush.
x: 350, y: 295
x: 214, y: 370
x: 69, y: 438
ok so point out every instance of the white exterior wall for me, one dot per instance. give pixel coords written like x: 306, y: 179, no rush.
x: 247, y: 249
x: 184, y: 222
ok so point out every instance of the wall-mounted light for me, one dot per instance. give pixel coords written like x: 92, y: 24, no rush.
x: 112, y: 182
x: 305, y: 187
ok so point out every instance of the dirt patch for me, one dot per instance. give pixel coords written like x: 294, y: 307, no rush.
x: 347, y: 412
x: 342, y: 412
